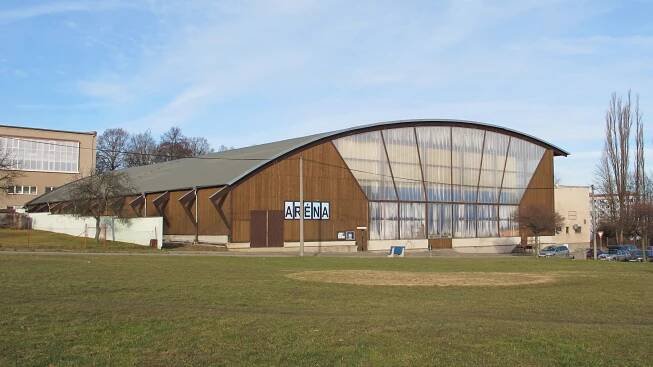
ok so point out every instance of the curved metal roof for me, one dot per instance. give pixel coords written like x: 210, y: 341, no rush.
x: 230, y: 167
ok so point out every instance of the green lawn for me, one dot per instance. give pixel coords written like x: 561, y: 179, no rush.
x: 33, y: 240
x: 209, y: 310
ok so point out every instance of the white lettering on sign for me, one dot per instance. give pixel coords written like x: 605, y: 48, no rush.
x: 316, y: 210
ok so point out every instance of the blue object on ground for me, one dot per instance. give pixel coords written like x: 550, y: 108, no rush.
x: 397, y: 250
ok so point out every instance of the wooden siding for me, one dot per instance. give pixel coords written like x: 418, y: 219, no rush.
x: 540, y: 191
x: 210, y: 222
x: 326, y: 178
x: 179, y: 220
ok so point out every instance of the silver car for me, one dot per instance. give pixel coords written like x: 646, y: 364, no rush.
x: 554, y: 251
x: 614, y: 254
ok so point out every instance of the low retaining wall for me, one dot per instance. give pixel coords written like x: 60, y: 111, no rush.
x: 489, y: 245
x: 138, y: 231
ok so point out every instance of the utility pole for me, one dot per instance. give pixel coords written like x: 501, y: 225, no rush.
x: 593, y: 222
x: 301, y: 206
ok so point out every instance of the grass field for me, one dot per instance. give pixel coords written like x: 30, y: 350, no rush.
x: 33, y: 240
x: 210, y: 310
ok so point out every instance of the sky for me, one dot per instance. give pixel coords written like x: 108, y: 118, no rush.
x: 248, y: 72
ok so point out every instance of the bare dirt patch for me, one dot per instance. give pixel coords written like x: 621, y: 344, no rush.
x: 410, y: 279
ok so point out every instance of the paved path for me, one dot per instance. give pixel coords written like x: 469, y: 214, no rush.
x: 249, y: 254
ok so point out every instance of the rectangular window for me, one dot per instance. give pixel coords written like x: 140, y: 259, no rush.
x: 33, y: 190
x: 507, y: 225
x: 384, y: 224
x: 439, y: 220
x: 487, y: 221
x: 464, y: 220
x: 33, y: 154
x: 413, y: 221
x: 10, y: 189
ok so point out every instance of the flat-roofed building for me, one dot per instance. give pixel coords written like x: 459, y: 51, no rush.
x: 45, y: 159
x: 573, y: 203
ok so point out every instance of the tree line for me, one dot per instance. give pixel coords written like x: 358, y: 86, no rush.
x: 621, y: 179
x: 117, y: 148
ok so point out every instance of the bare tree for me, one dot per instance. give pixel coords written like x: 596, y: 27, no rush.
x: 98, y: 195
x: 111, y: 147
x: 8, y: 173
x: 615, y: 178
x: 142, y: 148
x: 223, y: 148
x: 199, y: 146
x: 173, y: 145
x: 536, y: 221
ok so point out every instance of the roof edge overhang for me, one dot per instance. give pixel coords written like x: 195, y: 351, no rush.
x: 321, y: 138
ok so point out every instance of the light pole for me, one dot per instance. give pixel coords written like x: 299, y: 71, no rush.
x: 593, y: 222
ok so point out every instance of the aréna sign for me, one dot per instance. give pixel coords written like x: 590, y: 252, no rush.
x: 315, y: 210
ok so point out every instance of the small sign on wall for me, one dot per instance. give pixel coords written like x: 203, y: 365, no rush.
x: 314, y: 210
x: 349, y: 235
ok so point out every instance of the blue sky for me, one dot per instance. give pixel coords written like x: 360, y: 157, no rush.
x: 242, y: 73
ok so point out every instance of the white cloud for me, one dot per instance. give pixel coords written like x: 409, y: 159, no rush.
x: 59, y: 7
x: 310, y: 66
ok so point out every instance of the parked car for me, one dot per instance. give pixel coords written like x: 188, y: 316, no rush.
x: 554, y: 250
x: 589, y: 254
x: 636, y: 255
x: 615, y: 254
x: 625, y: 247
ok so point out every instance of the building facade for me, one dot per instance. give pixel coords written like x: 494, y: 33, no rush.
x: 44, y: 160
x: 574, y: 204
x: 421, y: 183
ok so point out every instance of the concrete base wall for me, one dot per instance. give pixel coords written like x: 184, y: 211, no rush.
x: 309, y: 247
x: 138, y: 231
x: 216, y: 240
x: 491, y: 245
x: 384, y: 245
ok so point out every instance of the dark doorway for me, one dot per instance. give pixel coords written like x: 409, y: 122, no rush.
x: 258, y: 228
x: 266, y: 228
x: 275, y: 228
x: 361, y: 240
x: 440, y: 243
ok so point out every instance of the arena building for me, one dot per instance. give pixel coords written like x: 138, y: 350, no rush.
x: 421, y: 183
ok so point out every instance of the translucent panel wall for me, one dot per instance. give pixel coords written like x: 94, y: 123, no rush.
x: 523, y: 158
x: 467, y: 147
x: 494, y: 158
x: 383, y: 221
x: 507, y: 226
x: 464, y: 220
x: 487, y: 216
x: 474, y: 180
x: 404, y: 161
x: 413, y: 220
x: 440, y: 220
x: 365, y: 156
x: 435, y: 153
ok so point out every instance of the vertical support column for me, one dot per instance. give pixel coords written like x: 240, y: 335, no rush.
x: 503, y: 174
x: 392, y: 176
x: 426, y: 198
x: 478, y: 183
x: 453, y: 221
x: 197, y: 218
